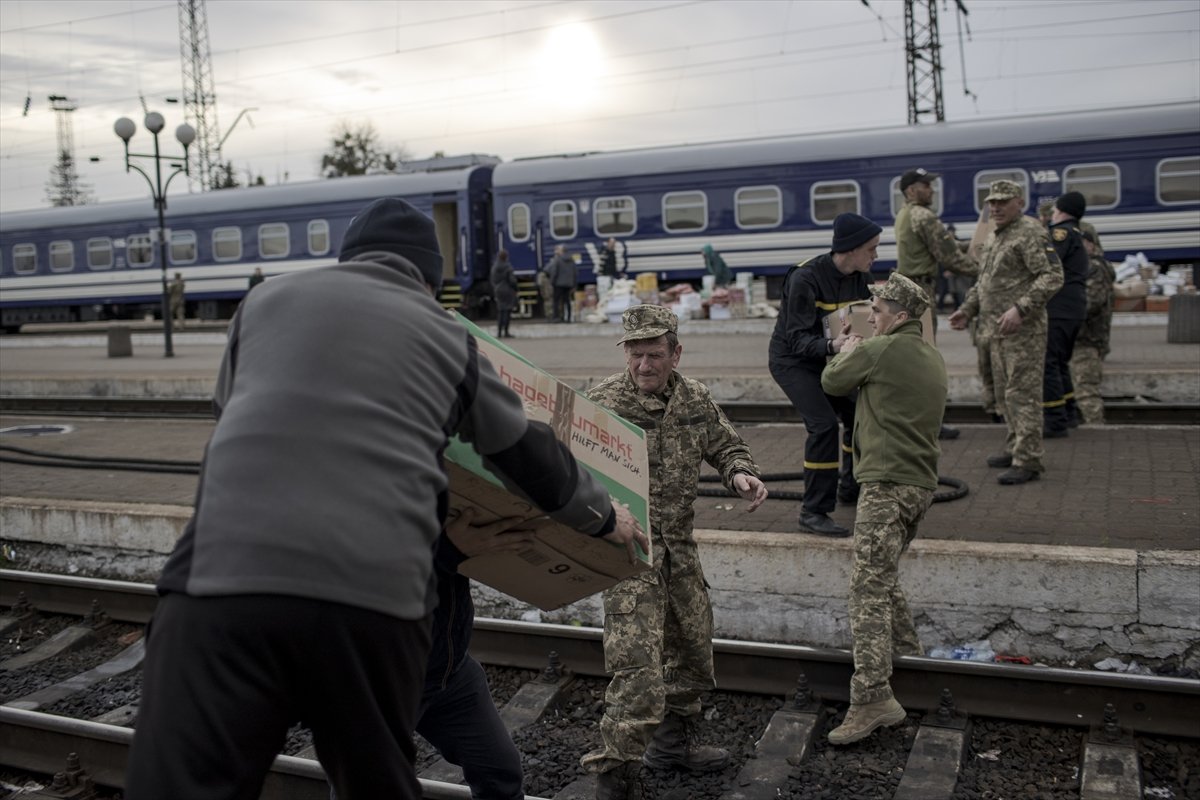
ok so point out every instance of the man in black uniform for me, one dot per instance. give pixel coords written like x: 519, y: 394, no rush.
x: 800, y: 345
x: 1066, y: 311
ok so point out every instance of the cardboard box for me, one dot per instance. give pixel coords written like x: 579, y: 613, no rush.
x: 1129, y: 304
x: 984, y: 227
x: 857, y: 314
x: 560, y: 566
x: 1131, y: 289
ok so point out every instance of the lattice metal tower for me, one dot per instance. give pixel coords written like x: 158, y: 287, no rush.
x: 199, y: 97
x: 65, y: 188
x: 923, y: 52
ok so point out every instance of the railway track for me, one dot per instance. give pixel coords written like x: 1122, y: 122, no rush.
x: 1116, y: 708
x: 1119, y: 411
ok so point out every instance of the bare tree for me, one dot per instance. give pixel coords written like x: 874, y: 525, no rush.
x: 357, y: 151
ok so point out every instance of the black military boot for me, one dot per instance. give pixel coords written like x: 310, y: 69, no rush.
x: 675, y: 747
x: 622, y: 783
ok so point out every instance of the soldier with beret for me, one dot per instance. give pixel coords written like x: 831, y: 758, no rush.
x: 658, y: 625
x: 1065, y: 312
x: 924, y: 246
x: 901, y: 385
x: 801, y: 345
x: 1019, y: 272
x: 1091, y: 345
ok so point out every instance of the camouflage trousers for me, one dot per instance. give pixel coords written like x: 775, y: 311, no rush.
x: 983, y: 359
x: 1017, y: 370
x: 929, y: 284
x: 1087, y: 369
x: 880, y: 620
x: 658, y: 646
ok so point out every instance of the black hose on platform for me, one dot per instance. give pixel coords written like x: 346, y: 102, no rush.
x: 959, y: 490
x: 67, y: 461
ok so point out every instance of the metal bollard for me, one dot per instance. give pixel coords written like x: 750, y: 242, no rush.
x: 120, y: 342
x: 1183, y: 319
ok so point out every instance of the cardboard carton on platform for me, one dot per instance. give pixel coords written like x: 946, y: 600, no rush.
x: 560, y: 566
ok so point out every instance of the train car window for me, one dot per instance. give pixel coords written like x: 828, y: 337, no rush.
x: 62, y: 256
x: 1099, y: 183
x: 685, y: 211
x: 318, y: 237
x: 273, y: 240
x: 24, y: 258
x: 898, y: 197
x: 1178, y: 180
x: 100, y: 253
x: 227, y: 244
x: 983, y: 183
x: 830, y: 198
x: 758, y: 206
x: 614, y: 216
x: 518, y: 222
x: 183, y: 247
x: 139, y: 251
x: 562, y: 219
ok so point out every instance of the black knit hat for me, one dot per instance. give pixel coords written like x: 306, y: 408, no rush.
x: 918, y: 175
x: 851, y: 231
x: 1072, y: 203
x: 394, y: 226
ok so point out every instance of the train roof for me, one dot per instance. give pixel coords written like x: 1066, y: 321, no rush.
x: 924, y: 140
x: 329, y: 190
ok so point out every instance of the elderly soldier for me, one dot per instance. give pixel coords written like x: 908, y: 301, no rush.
x: 901, y: 383
x: 1091, y: 345
x: 658, y: 625
x: 1065, y: 312
x: 924, y: 246
x: 1019, y: 272
x: 800, y: 345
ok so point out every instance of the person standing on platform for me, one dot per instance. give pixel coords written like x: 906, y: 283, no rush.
x: 715, y: 265
x: 309, y: 557
x: 504, y: 289
x: 1065, y: 312
x: 564, y: 275
x: 901, y: 384
x: 814, y: 292
x: 924, y: 247
x: 1019, y: 272
x: 255, y: 279
x: 175, y: 292
x: 1092, y: 343
x: 609, y: 263
x: 658, y: 625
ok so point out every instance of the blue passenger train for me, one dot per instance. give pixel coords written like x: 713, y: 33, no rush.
x: 765, y: 204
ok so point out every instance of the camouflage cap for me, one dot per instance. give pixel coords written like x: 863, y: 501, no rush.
x: 902, y: 290
x: 647, y: 322
x: 1004, y: 190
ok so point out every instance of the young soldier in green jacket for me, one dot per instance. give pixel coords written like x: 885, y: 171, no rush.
x: 901, y: 382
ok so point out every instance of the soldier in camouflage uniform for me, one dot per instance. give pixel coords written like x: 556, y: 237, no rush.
x: 924, y: 246
x: 658, y: 624
x: 901, y: 383
x: 1091, y: 346
x: 1019, y: 272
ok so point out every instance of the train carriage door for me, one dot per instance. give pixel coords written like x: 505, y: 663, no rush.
x: 445, y: 219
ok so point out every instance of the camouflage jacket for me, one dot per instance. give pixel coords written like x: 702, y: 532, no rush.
x: 1098, y: 325
x: 1018, y: 267
x: 923, y: 245
x: 683, y: 429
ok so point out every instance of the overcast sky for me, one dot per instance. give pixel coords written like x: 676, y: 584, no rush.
x: 524, y: 78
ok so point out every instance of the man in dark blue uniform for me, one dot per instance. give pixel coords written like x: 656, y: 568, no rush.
x: 1066, y: 311
x: 800, y: 345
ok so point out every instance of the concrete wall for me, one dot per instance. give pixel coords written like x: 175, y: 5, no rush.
x: 1056, y: 604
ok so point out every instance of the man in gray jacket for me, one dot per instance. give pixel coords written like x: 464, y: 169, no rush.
x: 301, y: 588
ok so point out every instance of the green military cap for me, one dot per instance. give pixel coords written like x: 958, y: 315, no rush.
x: 1004, y: 190
x: 647, y: 322
x: 902, y: 290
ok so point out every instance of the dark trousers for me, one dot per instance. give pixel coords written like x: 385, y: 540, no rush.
x: 226, y: 677
x: 504, y: 316
x: 462, y: 722
x: 824, y: 467
x: 562, y: 303
x: 1058, y: 393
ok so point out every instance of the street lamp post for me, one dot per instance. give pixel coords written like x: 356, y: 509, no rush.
x: 186, y: 134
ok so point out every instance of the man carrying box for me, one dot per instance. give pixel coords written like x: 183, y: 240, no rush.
x: 658, y: 624
x: 301, y: 588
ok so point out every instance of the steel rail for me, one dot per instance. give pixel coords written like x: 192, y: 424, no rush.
x: 1144, y: 703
